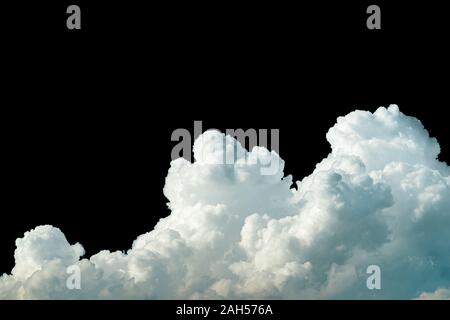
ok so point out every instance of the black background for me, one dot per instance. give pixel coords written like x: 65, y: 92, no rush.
x: 87, y: 114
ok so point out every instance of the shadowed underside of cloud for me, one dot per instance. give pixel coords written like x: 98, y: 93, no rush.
x: 380, y: 197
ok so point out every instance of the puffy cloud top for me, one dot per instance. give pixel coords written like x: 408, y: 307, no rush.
x: 381, y: 197
x: 40, y: 246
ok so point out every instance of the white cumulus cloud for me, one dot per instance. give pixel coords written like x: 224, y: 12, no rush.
x: 439, y: 294
x: 381, y: 197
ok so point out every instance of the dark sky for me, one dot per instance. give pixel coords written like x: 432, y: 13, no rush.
x: 88, y: 119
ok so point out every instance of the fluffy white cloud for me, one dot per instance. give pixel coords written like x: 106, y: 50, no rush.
x: 380, y: 197
x: 439, y: 294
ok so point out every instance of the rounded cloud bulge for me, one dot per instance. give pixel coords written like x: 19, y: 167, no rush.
x: 381, y: 197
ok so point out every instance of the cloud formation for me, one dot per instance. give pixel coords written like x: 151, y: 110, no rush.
x: 381, y: 197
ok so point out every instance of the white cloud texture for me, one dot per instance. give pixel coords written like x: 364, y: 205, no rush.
x: 380, y: 197
x: 439, y: 294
